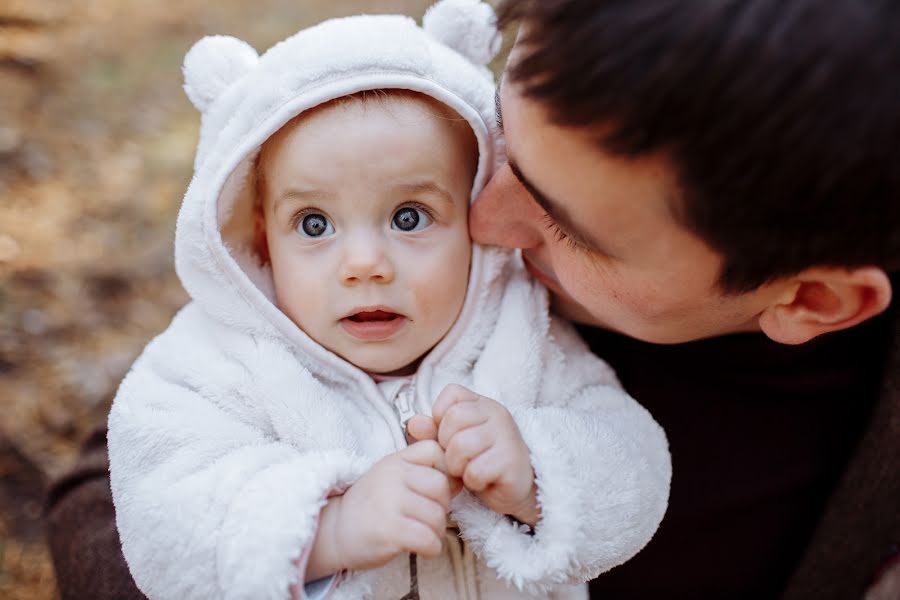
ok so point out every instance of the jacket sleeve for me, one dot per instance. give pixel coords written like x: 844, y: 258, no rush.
x: 602, y: 469
x: 209, y: 502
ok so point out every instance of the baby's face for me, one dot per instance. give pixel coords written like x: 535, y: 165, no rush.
x: 365, y: 206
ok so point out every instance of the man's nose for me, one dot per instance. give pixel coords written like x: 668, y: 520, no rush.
x: 504, y: 214
x: 366, y: 259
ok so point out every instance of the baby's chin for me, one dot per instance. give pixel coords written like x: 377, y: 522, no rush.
x: 403, y: 371
x: 384, y: 367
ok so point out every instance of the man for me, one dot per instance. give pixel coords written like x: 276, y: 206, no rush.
x: 721, y: 177
x: 711, y: 190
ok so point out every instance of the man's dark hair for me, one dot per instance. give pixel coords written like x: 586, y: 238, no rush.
x: 781, y: 117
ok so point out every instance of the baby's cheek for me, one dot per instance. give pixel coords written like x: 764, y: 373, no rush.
x: 444, y: 296
x: 301, y: 300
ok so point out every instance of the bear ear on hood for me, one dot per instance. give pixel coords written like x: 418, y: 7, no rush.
x: 212, y: 65
x: 467, y: 26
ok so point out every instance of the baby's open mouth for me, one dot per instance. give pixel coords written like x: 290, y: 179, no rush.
x: 374, y: 315
x: 373, y: 325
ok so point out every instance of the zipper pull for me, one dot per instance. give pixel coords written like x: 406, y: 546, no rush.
x: 403, y: 406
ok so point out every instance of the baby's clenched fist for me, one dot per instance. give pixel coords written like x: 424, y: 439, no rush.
x: 400, y: 505
x: 484, y: 447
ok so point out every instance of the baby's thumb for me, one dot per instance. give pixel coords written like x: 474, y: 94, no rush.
x: 419, y: 428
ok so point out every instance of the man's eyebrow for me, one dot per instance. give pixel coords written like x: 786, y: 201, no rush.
x: 556, y: 212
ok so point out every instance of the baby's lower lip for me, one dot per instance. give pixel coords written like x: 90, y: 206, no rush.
x: 381, y: 327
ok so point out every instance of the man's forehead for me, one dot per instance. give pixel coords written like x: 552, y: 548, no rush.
x: 575, y: 181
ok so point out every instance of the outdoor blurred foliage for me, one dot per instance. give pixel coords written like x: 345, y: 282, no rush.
x: 96, y: 145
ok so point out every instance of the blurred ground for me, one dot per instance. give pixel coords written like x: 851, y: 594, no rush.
x: 96, y: 143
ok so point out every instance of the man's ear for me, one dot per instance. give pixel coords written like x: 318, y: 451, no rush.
x: 824, y: 299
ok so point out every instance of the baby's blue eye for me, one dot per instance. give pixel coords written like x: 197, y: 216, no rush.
x: 409, y: 218
x: 314, y: 225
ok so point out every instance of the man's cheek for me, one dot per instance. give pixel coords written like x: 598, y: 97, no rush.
x: 599, y: 296
x: 640, y: 305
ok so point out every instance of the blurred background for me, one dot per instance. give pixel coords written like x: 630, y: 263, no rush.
x: 96, y: 144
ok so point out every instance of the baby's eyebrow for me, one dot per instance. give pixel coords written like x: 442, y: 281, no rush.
x: 295, y: 195
x: 425, y: 187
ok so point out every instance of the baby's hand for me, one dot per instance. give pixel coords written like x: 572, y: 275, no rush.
x: 400, y: 505
x: 484, y: 447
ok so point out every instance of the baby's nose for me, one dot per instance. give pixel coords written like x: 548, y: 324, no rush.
x: 367, y: 259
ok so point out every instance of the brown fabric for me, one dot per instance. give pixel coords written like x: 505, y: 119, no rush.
x: 860, y: 527
x: 81, y: 531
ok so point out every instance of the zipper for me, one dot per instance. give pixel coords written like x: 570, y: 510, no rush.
x: 462, y: 559
x: 403, y: 404
x: 403, y: 407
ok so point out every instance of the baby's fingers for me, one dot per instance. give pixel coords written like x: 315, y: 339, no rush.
x: 465, y: 446
x: 426, y: 511
x: 451, y: 394
x: 421, y: 427
x: 456, y: 486
x: 427, y: 453
x: 459, y: 417
x: 418, y: 538
x: 431, y: 483
x: 482, y: 471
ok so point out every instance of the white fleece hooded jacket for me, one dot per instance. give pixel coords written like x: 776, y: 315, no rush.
x: 233, y: 426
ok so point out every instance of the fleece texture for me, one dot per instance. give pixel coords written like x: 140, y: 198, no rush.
x: 233, y: 427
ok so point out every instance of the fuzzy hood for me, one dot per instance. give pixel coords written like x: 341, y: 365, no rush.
x: 244, y: 98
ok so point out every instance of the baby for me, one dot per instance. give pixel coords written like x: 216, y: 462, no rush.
x: 359, y: 402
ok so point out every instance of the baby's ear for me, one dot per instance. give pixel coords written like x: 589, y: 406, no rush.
x: 212, y: 65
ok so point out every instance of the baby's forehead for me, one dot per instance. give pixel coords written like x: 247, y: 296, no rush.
x: 326, y: 125
x: 407, y: 107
